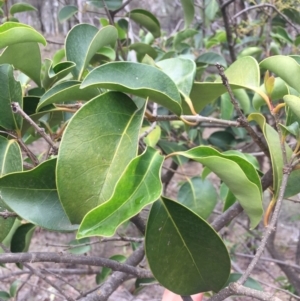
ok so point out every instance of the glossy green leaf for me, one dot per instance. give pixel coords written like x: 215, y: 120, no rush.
x: 189, y: 12
x: 138, y: 186
x: 25, y: 57
x: 293, y: 102
x: 227, y: 196
x: 250, y: 282
x: 67, y: 91
x: 141, y: 80
x: 14, y: 287
x: 211, y: 8
x: 222, y: 140
x: 183, y: 35
x: 21, y: 239
x: 273, y: 142
x: 111, y: 4
x: 211, y: 58
x: 21, y: 7
x: 284, y: 66
x: 184, y: 252
x: 11, y: 91
x: 67, y: 12
x: 142, y: 49
x: 243, y: 73
x: 84, y: 246
x: 52, y: 73
x: 4, y: 295
x: 181, y: 71
x: 33, y: 196
x: 237, y: 173
x: 198, y: 195
x: 280, y: 89
x: 10, y: 161
x: 106, y: 271
x: 83, y: 41
x: 97, y: 145
x: 12, y: 33
x: 145, y: 19
x: 293, y: 187
x: 153, y: 137
x: 251, y: 51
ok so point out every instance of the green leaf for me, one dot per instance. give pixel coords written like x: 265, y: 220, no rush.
x: 211, y: 8
x: 65, y: 92
x: 138, y: 186
x: 182, y: 36
x: 67, y: 12
x: 10, y: 161
x: 198, y: 195
x: 181, y: 259
x: 141, y: 80
x: 293, y: 187
x: 10, y: 156
x: 293, y: 102
x: 211, y: 58
x: 94, y: 153
x: 181, y: 71
x: 25, y: 57
x: 21, y: 239
x: 33, y: 196
x: 111, y: 4
x: 273, y: 142
x: 153, y: 137
x: 145, y: 19
x: 284, y: 66
x: 189, y: 12
x: 12, y: 33
x: 14, y: 287
x: 21, y: 7
x: 84, y: 246
x: 82, y: 43
x: 11, y: 91
x: 55, y: 73
x: 227, y: 196
x: 280, y: 89
x: 250, y: 282
x: 142, y: 49
x: 106, y: 271
x: 4, y: 295
x: 243, y: 73
x: 237, y: 173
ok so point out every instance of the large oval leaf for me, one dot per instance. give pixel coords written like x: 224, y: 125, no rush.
x: 184, y: 252
x: 198, y: 195
x: 11, y: 91
x: 284, y: 66
x: 13, y: 32
x: 146, y: 19
x: 10, y: 161
x: 20, y: 7
x: 83, y: 41
x: 98, y: 143
x: 25, y: 57
x: 137, y: 79
x: 238, y: 174
x: 33, y: 196
x: 139, y: 186
x: 66, y: 91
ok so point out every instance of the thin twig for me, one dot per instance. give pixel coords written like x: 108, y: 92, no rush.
x: 17, y: 110
x: 196, y: 119
x: 7, y: 214
x: 29, y: 153
x: 242, y: 118
x: 153, y: 125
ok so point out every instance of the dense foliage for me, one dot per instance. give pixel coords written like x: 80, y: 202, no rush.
x: 116, y: 111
